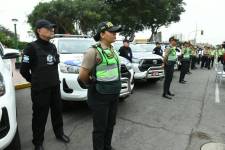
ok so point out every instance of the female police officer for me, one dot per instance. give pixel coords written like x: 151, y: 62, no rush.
x: 169, y: 60
x: 40, y: 67
x: 100, y: 69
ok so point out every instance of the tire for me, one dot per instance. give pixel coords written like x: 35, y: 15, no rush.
x: 15, y: 144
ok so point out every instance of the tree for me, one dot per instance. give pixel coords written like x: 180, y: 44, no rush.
x: 127, y: 14
x: 137, y: 15
x: 165, y: 12
x: 89, y: 16
x: 61, y: 12
x: 133, y: 15
x: 6, y: 31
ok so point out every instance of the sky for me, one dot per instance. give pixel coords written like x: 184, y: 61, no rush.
x: 206, y: 15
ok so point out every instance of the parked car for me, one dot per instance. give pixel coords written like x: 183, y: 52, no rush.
x: 145, y: 64
x: 9, y: 135
x: 71, y: 50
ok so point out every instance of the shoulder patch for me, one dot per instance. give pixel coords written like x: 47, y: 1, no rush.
x: 26, y: 59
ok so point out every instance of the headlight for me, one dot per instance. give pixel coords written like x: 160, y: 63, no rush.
x: 129, y: 66
x: 69, y: 69
x: 2, y: 85
x: 135, y: 60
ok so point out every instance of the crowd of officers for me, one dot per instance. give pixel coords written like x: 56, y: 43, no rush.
x: 190, y: 56
x: 99, y: 73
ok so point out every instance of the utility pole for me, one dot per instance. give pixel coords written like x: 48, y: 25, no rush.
x: 196, y: 32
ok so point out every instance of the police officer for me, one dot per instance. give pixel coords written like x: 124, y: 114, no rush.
x: 100, y: 70
x: 125, y: 51
x: 212, y: 57
x: 184, y: 62
x: 158, y: 50
x: 189, y: 61
x: 169, y: 60
x: 193, y: 57
x: 205, y: 58
x: 40, y: 67
x: 221, y: 53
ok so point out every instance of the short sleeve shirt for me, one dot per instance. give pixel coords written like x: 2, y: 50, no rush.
x: 89, y: 59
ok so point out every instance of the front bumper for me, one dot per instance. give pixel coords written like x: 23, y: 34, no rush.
x: 151, y: 73
x: 126, y: 87
x: 8, y: 123
x: 70, y: 88
x: 7, y: 129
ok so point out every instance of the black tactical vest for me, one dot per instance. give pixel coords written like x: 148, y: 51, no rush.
x: 45, y: 72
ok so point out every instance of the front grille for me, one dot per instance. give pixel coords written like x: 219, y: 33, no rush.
x: 147, y: 63
x: 4, y: 124
x: 124, y: 71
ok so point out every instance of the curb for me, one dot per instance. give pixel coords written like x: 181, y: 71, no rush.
x: 22, y: 86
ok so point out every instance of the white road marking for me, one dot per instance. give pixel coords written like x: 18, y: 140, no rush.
x: 217, y: 94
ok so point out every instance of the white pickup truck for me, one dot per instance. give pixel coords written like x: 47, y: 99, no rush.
x: 145, y: 64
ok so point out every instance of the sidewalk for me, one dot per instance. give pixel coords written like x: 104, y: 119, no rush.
x: 18, y: 81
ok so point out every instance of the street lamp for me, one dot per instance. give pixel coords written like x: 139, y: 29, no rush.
x: 17, y: 64
x: 16, y: 40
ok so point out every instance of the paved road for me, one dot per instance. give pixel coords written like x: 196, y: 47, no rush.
x: 145, y: 121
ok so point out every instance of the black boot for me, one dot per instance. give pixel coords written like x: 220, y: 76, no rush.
x: 63, y: 138
x: 166, y: 96
x: 171, y: 94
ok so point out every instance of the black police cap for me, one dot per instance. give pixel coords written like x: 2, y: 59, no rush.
x: 106, y: 26
x: 172, y: 39
x: 42, y: 23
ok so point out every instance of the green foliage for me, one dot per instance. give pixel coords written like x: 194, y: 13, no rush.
x: 91, y: 13
x: 6, y: 40
x: 61, y: 12
x: 6, y: 31
x: 9, y: 40
x: 133, y: 15
x: 150, y: 14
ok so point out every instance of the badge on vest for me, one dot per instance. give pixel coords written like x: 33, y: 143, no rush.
x: 50, y: 60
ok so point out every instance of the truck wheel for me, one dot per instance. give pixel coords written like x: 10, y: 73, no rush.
x: 15, y: 144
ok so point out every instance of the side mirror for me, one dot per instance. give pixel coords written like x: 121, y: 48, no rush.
x: 10, y: 56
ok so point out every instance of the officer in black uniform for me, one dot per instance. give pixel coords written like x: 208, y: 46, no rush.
x: 125, y: 51
x: 158, y: 50
x: 40, y: 68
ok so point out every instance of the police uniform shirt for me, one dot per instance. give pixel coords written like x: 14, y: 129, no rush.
x: 167, y: 52
x: 40, y: 64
